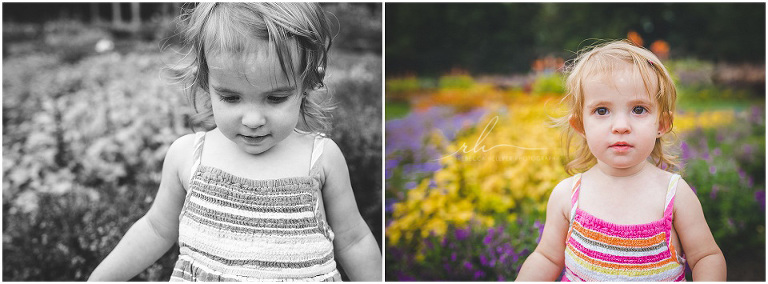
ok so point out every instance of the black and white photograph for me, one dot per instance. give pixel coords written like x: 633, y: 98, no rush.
x: 192, y: 141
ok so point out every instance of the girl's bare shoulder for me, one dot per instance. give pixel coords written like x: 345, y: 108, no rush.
x: 179, y: 157
x: 561, y: 195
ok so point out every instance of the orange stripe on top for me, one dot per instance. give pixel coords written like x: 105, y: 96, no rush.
x: 616, y: 241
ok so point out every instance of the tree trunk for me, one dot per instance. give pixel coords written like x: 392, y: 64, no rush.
x: 117, y: 16
x: 135, y: 16
x: 95, y: 19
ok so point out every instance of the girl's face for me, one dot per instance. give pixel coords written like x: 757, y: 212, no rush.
x: 254, y: 104
x: 620, y: 119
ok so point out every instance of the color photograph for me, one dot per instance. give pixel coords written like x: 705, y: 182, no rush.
x: 574, y: 141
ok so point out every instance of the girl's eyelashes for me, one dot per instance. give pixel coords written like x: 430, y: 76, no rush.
x: 229, y: 98
x: 639, y: 110
x: 277, y: 99
x: 601, y: 111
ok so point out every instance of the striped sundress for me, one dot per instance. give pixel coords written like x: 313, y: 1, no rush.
x: 597, y: 250
x: 238, y: 229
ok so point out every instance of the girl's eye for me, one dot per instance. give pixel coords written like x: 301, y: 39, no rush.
x: 277, y: 99
x: 639, y: 110
x: 601, y: 111
x: 229, y: 99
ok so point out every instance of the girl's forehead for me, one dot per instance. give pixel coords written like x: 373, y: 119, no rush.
x: 257, y: 59
x: 621, y: 75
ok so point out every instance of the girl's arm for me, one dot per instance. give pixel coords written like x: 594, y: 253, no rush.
x: 152, y: 235
x: 704, y: 256
x: 354, y: 244
x: 547, y: 261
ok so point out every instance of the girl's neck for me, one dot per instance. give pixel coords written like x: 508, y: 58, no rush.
x: 619, y: 172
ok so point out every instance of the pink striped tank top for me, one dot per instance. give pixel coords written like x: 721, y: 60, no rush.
x: 237, y: 229
x: 597, y: 250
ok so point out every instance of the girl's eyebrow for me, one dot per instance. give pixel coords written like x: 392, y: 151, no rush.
x: 219, y: 89
x: 640, y: 101
x: 598, y: 103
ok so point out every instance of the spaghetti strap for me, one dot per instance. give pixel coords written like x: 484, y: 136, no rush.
x: 575, y: 189
x: 197, y: 153
x: 669, y: 201
x: 317, y: 149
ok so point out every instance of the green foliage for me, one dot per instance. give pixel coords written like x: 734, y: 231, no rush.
x: 726, y: 168
x: 708, y: 96
x: 403, y: 85
x: 451, y: 81
x: 395, y: 110
x: 549, y: 84
x: 432, y: 38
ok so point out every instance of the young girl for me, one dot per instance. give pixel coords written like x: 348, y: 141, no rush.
x: 254, y: 198
x: 624, y: 218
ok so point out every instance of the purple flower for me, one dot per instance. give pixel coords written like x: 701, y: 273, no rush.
x: 410, y: 185
x: 461, y: 234
x: 501, y: 278
x: 747, y: 149
x: 391, y: 163
x: 487, y: 240
x: 479, y: 274
x: 717, y: 152
x: 713, y: 193
x: 686, y: 151
x: 742, y: 174
x: 760, y: 197
x: 467, y: 265
x: 453, y: 256
x: 541, y: 229
x: 756, y: 115
x: 483, y: 260
x: 387, y: 173
x: 712, y: 170
x: 390, y: 205
x: 404, y: 277
x: 489, y: 237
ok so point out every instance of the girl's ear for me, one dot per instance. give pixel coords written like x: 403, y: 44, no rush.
x: 665, y: 124
x: 576, y: 124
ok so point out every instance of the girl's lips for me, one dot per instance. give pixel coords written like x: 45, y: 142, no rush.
x: 620, y: 147
x: 253, y: 139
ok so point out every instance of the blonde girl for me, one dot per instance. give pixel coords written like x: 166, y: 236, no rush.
x: 261, y: 195
x: 624, y: 215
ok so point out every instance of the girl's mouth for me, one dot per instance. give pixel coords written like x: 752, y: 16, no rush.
x: 620, y: 146
x: 253, y: 139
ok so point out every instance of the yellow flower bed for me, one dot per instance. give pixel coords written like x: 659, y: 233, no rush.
x: 709, y: 119
x: 491, y: 171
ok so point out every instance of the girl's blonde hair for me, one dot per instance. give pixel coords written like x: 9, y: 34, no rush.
x: 230, y: 28
x: 604, y: 59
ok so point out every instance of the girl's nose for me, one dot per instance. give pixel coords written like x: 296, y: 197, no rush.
x: 253, y: 118
x: 620, y: 125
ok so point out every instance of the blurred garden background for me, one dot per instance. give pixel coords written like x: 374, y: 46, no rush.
x: 460, y: 77
x: 88, y: 118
